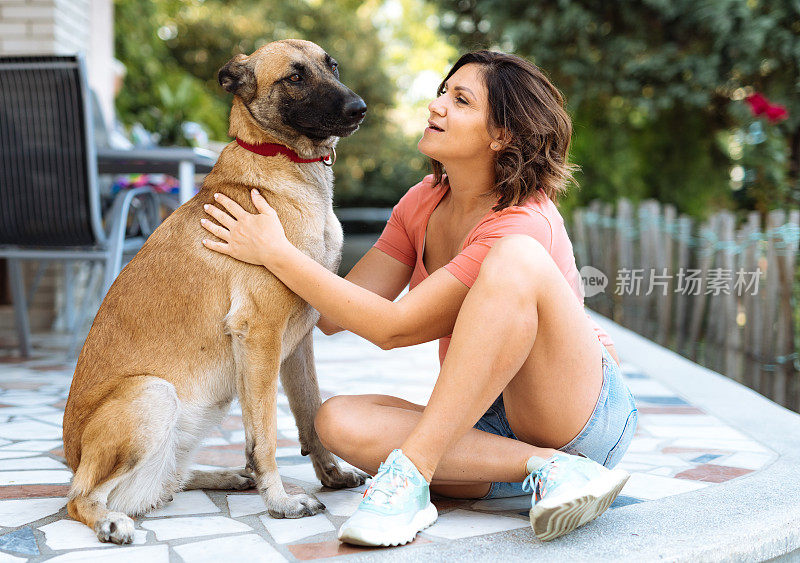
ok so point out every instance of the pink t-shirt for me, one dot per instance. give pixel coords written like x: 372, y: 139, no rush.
x: 403, y: 238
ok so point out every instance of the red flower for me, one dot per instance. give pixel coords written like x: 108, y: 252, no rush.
x: 776, y: 113
x: 759, y: 104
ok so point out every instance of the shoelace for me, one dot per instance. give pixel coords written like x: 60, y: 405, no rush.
x: 537, y: 481
x: 388, y: 479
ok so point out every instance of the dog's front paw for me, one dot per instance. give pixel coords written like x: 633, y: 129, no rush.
x: 336, y: 477
x: 295, y: 506
x: 116, y: 528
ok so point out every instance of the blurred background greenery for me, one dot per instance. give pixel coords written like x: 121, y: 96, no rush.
x: 658, y: 90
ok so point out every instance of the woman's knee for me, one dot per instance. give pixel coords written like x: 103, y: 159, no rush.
x: 518, y: 251
x: 327, y: 417
x: 517, y: 261
x: 335, y: 421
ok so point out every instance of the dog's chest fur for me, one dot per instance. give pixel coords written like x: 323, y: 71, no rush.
x: 306, y: 212
x: 304, y: 319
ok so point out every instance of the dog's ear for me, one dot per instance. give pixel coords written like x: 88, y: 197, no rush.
x: 238, y: 77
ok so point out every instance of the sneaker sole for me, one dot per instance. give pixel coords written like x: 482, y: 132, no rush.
x: 550, y: 520
x: 387, y: 538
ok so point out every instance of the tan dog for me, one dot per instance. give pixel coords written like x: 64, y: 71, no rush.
x: 184, y: 329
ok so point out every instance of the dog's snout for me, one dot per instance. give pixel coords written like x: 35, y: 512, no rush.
x: 355, y: 108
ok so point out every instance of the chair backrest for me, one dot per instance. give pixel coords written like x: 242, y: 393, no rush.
x: 48, y: 166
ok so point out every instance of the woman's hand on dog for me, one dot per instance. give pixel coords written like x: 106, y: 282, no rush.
x: 253, y: 238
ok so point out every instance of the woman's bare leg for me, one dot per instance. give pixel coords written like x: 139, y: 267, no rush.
x: 364, y: 429
x: 520, y: 331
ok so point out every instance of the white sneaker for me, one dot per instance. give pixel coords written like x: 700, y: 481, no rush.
x: 396, y: 506
x: 569, y: 491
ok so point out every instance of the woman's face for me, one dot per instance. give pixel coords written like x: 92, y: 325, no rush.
x: 457, y: 128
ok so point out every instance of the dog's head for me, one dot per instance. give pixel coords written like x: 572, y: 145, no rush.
x: 291, y: 89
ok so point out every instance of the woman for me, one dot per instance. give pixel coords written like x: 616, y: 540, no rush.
x: 529, y: 396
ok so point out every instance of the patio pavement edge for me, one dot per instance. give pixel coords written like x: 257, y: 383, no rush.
x: 752, y: 518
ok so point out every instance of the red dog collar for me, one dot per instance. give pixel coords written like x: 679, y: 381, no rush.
x: 272, y: 149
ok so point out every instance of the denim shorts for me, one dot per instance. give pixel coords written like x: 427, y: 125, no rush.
x: 605, y: 437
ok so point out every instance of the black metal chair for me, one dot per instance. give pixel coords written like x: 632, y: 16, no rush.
x: 50, y: 207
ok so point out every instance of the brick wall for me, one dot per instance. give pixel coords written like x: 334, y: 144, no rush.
x: 64, y: 27
x: 44, y: 26
x: 57, y: 27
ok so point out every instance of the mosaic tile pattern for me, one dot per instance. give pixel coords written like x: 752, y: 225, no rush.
x: 677, y: 448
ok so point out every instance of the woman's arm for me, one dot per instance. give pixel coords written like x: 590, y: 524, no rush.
x: 379, y: 273
x: 427, y: 313
x: 424, y: 314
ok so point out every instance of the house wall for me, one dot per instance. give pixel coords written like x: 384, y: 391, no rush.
x: 58, y: 27
x: 62, y: 27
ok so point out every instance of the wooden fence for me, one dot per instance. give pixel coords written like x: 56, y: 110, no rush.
x: 722, y: 294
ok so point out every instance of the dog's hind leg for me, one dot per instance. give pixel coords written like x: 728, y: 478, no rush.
x: 220, y: 479
x: 88, y: 496
x: 127, y: 461
x: 257, y: 351
x: 299, y: 379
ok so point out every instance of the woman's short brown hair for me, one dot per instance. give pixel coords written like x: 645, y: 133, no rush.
x: 530, y: 109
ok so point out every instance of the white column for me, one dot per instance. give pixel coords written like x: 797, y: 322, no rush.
x: 185, y: 181
x: 100, y: 54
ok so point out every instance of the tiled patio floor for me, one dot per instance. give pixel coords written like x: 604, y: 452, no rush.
x: 678, y: 448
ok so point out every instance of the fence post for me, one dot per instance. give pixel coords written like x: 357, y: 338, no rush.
x: 579, y: 242
x: 704, y: 258
x: 784, y: 341
x: 681, y: 299
x: 769, y: 386
x: 712, y: 340
x: 606, y: 264
x: 647, y: 221
x: 794, y: 372
x: 753, y: 307
x: 663, y: 242
x: 593, y: 253
x: 624, y: 256
x: 731, y: 335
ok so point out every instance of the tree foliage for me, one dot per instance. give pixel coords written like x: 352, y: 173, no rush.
x: 173, y: 50
x: 656, y: 89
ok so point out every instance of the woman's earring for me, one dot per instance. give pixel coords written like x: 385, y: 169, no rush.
x: 495, y: 146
